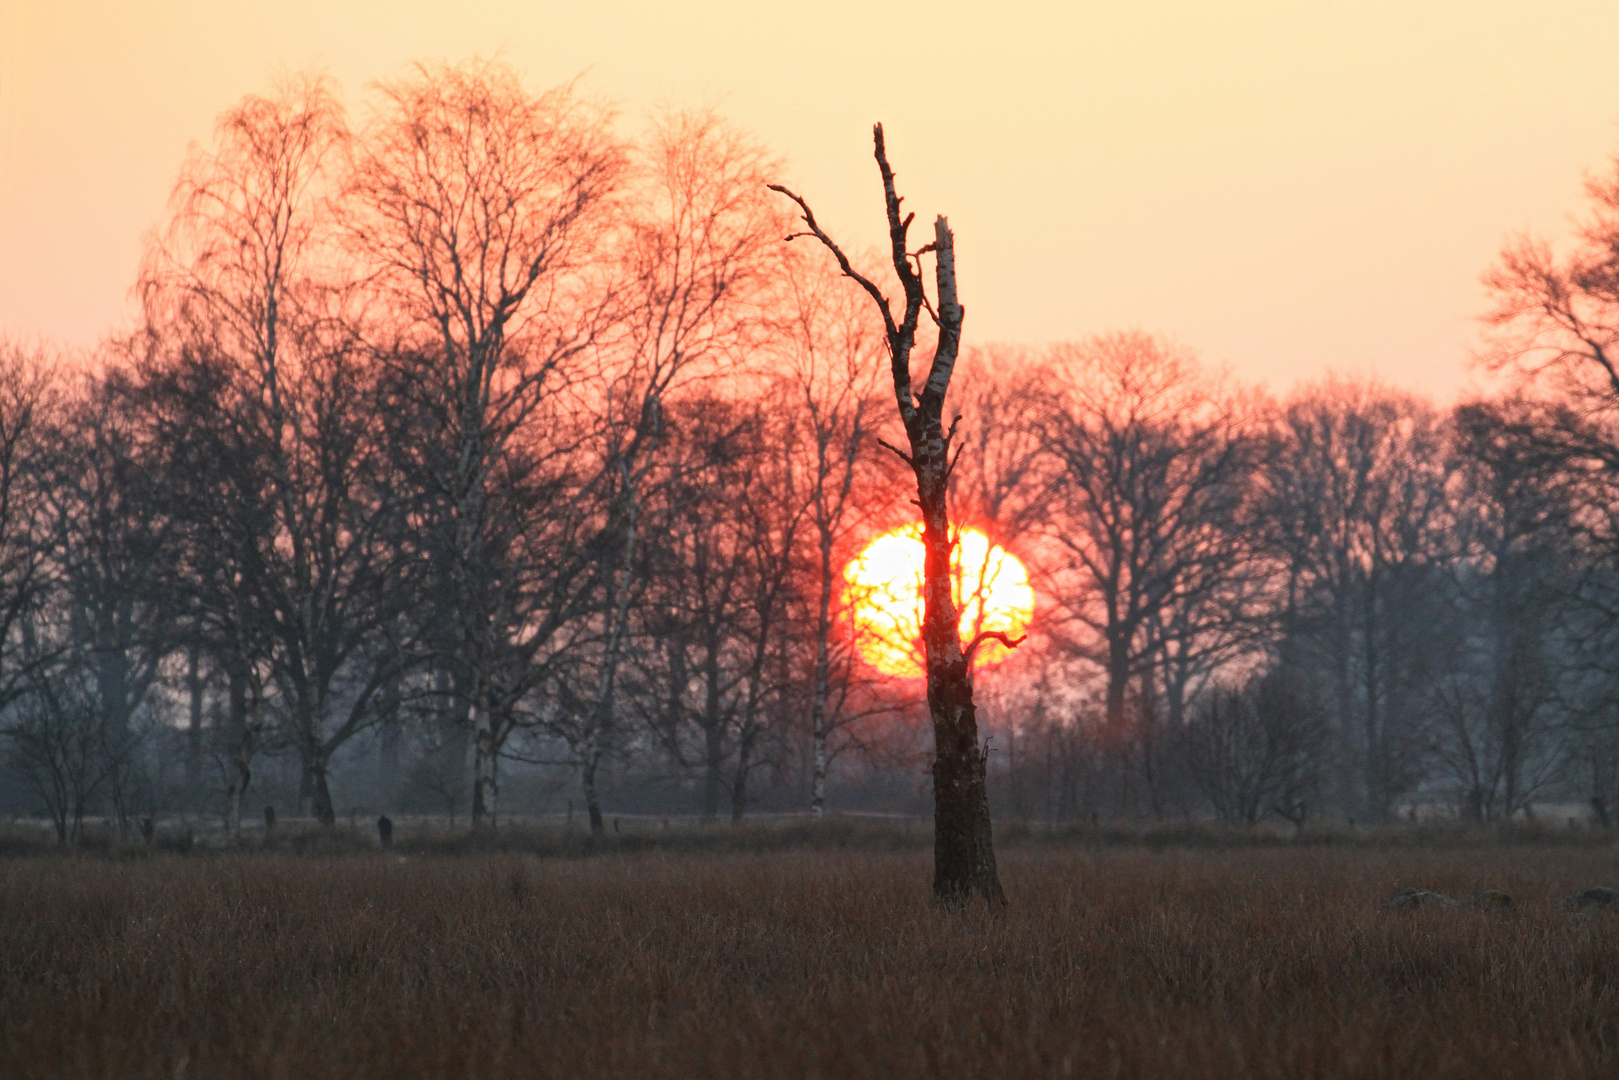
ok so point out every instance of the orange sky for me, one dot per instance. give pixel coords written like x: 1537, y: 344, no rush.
x: 1287, y: 186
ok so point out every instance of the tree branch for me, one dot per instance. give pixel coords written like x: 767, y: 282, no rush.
x: 998, y: 635
x: 903, y: 456
x: 847, y: 267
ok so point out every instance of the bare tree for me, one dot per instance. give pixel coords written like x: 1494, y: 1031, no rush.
x: 114, y: 549
x: 1555, y: 320
x: 696, y: 276
x: 1258, y: 748
x: 964, y: 850
x: 1358, y: 511
x: 258, y: 365
x: 715, y: 619
x: 481, y: 211
x: 28, y: 399
x: 1503, y: 707
x: 1555, y: 327
x: 62, y: 747
x: 833, y: 368
x: 1151, y: 470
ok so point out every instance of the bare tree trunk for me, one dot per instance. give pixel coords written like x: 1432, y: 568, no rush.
x: 314, y: 794
x: 713, y: 763
x: 963, y: 845
x: 320, y: 790
x: 241, y: 776
x: 1118, y: 685
x: 194, y: 686
x: 739, y: 786
x: 739, y: 777
x: 823, y: 632
x: 485, y: 778
x: 593, y: 804
x: 818, y: 777
x: 1376, y: 789
x: 242, y: 748
x: 1147, y: 737
x: 602, y: 710
x: 839, y: 419
x: 392, y: 737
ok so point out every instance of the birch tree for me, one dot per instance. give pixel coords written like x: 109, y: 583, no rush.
x: 834, y: 370
x: 695, y: 278
x: 723, y: 591
x: 263, y: 392
x: 483, y: 213
x: 964, y: 852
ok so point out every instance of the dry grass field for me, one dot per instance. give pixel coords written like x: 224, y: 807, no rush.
x: 1110, y: 962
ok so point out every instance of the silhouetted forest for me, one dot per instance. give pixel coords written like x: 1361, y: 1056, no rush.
x: 478, y: 460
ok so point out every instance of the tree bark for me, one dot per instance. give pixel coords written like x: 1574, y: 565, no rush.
x: 242, y: 749
x: 739, y: 788
x: 1118, y: 684
x: 713, y: 769
x: 485, y: 780
x: 739, y: 778
x: 818, y: 777
x: 320, y: 790
x: 963, y: 846
x: 593, y: 804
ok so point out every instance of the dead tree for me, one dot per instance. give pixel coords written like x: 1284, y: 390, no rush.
x: 963, y: 847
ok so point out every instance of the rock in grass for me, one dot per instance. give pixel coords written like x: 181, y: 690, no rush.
x: 1493, y: 900
x: 1596, y: 899
x: 1407, y: 899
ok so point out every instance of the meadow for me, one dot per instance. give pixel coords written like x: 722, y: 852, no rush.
x: 807, y: 961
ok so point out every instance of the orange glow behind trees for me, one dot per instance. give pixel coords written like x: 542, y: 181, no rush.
x: 882, y: 592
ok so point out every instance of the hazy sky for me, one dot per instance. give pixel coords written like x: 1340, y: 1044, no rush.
x: 1287, y: 186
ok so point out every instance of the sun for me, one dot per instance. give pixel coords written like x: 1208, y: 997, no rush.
x: 882, y: 592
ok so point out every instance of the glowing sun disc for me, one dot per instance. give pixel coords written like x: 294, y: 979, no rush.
x: 882, y: 592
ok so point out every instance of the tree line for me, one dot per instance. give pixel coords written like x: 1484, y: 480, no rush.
x: 477, y: 443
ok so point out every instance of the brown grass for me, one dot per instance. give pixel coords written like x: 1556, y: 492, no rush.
x: 1267, y: 962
